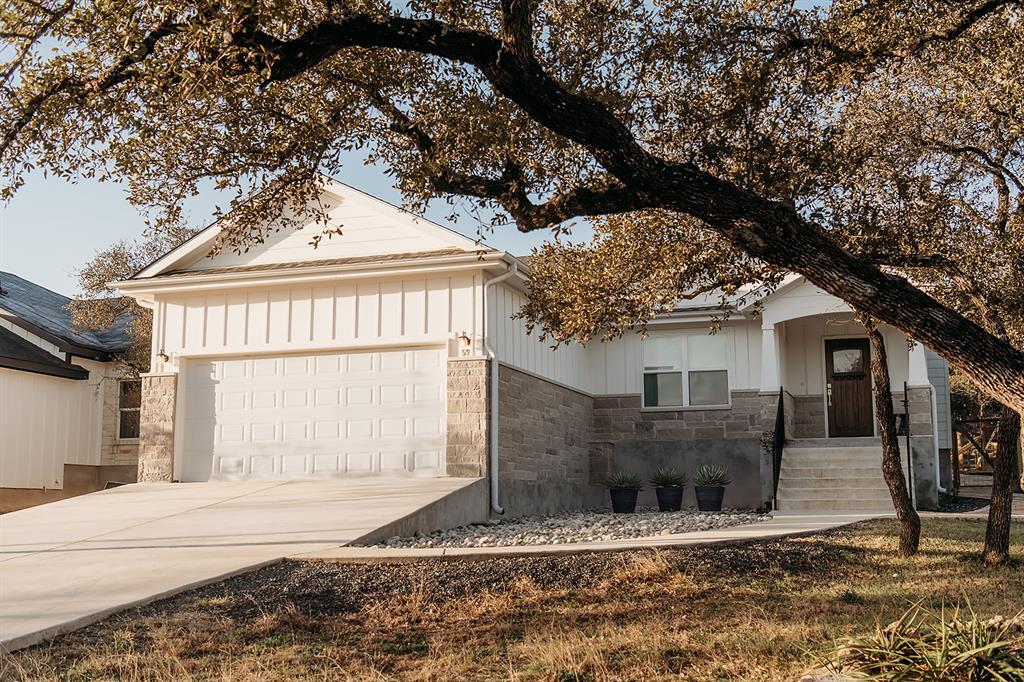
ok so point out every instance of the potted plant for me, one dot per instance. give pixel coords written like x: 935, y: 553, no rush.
x: 623, y: 487
x: 668, y: 486
x: 709, y: 484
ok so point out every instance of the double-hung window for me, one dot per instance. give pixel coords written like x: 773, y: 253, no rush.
x: 686, y: 370
x: 129, y: 408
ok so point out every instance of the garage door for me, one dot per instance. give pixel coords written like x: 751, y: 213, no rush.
x: 330, y: 414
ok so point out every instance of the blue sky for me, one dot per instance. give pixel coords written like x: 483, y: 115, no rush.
x: 52, y: 227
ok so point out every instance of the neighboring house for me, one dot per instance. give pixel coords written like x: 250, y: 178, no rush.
x: 69, y: 423
x: 394, y: 350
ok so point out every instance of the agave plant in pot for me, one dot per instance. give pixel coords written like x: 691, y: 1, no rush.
x: 668, y: 486
x: 624, y: 487
x: 709, y: 484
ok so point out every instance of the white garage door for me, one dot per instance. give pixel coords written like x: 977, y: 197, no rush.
x: 330, y: 414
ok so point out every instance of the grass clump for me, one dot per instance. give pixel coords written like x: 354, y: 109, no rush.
x: 949, y: 644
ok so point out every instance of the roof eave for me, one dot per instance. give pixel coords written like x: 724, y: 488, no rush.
x: 69, y: 372
x: 140, y: 287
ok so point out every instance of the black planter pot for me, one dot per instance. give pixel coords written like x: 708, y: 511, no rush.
x: 709, y: 497
x: 623, y: 500
x: 669, y: 499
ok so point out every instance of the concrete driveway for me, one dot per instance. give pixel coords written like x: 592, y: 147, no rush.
x: 69, y: 563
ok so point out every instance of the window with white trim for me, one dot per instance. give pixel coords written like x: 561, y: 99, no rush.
x: 686, y: 370
x: 129, y: 409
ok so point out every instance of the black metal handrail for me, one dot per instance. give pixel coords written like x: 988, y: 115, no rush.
x: 778, y: 444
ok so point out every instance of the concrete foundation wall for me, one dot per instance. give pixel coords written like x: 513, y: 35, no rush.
x: 79, y: 479
x: 743, y: 458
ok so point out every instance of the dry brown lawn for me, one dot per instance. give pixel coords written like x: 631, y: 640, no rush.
x: 763, y: 611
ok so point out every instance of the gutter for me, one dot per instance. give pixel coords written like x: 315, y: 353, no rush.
x: 513, y: 269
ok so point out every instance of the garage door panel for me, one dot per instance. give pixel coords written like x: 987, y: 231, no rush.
x: 316, y: 415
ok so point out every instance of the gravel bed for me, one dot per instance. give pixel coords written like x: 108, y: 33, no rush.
x: 577, y: 527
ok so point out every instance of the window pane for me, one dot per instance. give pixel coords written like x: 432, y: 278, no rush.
x: 663, y: 352
x: 129, y: 424
x: 847, y: 361
x: 709, y: 388
x: 706, y: 351
x: 131, y: 394
x: 663, y: 390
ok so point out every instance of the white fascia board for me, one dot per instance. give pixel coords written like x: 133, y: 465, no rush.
x: 325, y: 273
x: 201, y: 241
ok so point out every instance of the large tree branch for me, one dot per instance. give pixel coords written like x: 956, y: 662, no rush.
x: 606, y: 196
x: 951, y: 269
x: 768, y: 230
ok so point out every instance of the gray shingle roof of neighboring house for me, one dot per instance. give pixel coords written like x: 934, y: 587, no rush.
x: 45, y: 313
x: 17, y: 353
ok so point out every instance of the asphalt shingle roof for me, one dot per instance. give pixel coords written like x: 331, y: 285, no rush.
x: 48, y: 311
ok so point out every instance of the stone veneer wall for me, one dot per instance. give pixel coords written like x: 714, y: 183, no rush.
x: 808, y: 417
x: 922, y: 445
x: 468, y: 417
x: 156, y: 432
x: 620, y: 417
x: 544, y: 446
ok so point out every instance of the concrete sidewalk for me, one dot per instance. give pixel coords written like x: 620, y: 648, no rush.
x: 69, y: 563
x: 780, y: 525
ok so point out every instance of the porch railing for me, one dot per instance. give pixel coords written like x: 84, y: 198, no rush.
x: 778, y: 444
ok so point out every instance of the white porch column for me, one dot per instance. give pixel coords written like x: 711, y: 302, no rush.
x: 770, y: 375
x: 918, y: 371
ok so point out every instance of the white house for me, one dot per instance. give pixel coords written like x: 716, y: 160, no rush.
x: 69, y: 422
x: 393, y: 350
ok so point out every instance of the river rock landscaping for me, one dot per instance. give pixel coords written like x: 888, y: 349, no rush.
x: 576, y: 527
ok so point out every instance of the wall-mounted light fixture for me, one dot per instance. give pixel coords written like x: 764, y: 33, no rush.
x: 162, y: 356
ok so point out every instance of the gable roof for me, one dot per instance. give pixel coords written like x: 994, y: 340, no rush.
x: 17, y: 353
x: 191, y: 256
x: 45, y: 313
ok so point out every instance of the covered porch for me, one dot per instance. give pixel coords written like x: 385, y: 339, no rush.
x: 816, y: 356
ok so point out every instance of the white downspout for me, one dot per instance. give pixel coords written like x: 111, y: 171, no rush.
x: 492, y: 466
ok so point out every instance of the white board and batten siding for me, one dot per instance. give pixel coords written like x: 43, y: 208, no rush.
x: 612, y: 367
x: 516, y: 347
x: 616, y: 367
x: 938, y: 377
x: 47, y: 422
x: 395, y: 311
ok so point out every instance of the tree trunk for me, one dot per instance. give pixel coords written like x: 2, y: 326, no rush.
x: 997, y: 533
x: 892, y: 469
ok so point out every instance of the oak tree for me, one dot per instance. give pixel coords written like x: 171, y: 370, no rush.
x: 727, y: 127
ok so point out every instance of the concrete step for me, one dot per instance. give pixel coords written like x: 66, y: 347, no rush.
x: 868, y: 441
x: 832, y: 483
x: 863, y: 494
x: 824, y: 506
x: 832, y: 462
x: 828, y: 471
x: 833, y: 452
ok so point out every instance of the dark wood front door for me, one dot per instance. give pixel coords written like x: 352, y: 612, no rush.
x: 848, y: 388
